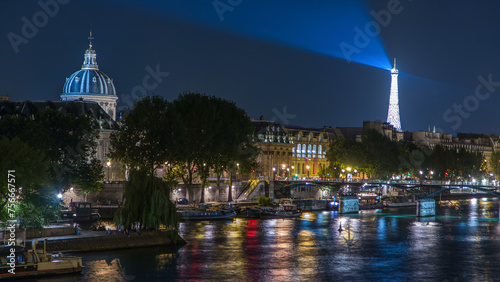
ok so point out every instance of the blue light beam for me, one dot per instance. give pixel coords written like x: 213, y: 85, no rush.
x: 340, y: 29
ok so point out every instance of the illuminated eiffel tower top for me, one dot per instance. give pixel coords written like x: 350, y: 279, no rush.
x: 393, y: 114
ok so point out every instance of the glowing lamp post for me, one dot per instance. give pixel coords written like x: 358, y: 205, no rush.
x: 307, y: 171
x: 274, y: 171
x: 237, y: 169
x: 108, y: 164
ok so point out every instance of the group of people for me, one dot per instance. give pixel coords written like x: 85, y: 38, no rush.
x: 101, y: 227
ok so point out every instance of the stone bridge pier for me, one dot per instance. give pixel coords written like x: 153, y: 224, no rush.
x: 426, y: 207
x: 348, y: 204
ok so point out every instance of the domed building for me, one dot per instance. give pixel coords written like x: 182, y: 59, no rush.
x: 91, y: 84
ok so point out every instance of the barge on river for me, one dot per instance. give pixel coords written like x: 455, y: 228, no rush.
x: 206, y: 213
x: 19, y: 262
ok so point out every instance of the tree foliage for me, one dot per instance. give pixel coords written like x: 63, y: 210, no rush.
x: 146, y: 202
x: 145, y: 139
x: 216, y: 136
x: 494, y: 164
x: 35, y: 198
x: 68, y: 142
x: 50, y: 152
x: 145, y: 143
x: 380, y: 157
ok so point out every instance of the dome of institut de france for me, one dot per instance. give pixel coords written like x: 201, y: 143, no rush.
x: 91, y: 84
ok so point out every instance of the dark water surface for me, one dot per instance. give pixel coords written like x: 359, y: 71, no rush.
x: 461, y: 243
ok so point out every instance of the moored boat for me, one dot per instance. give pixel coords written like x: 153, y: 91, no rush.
x: 80, y: 211
x: 206, y: 214
x: 249, y: 212
x: 400, y: 201
x: 19, y: 262
x: 285, y: 210
x: 390, y: 204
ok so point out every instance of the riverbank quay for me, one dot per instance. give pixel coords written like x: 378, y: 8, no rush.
x: 89, y: 241
x: 463, y: 196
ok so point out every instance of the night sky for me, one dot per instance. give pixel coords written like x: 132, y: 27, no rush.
x: 268, y: 57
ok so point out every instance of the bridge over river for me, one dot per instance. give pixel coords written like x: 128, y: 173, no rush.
x: 423, y: 191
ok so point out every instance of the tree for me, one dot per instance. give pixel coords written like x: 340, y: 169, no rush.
x: 145, y: 139
x: 381, y: 154
x: 68, y: 142
x: 146, y: 202
x: 345, y: 153
x: 216, y: 135
x: 54, y: 151
x: 145, y: 142
x: 34, y: 197
x: 494, y: 164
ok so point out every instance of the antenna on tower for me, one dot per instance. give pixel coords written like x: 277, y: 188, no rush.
x: 394, y: 62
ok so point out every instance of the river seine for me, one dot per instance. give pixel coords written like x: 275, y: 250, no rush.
x: 460, y: 243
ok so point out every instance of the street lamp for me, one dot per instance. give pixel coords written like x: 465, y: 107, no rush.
x: 283, y: 166
x: 307, y: 171
x: 237, y: 169
x: 293, y: 170
x: 108, y: 164
x: 274, y: 171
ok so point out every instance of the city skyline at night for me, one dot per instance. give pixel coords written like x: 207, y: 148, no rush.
x: 314, y: 65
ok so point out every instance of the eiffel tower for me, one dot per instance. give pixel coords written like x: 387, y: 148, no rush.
x: 393, y: 114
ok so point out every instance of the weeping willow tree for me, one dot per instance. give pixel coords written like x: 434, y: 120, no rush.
x: 144, y: 143
x: 146, y: 203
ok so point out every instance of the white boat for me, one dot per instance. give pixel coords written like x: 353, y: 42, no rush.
x: 19, y: 262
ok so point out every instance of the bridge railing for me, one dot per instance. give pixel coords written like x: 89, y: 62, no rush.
x: 391, y: 181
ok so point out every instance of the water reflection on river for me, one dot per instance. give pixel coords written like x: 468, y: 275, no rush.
x: 461, y: 243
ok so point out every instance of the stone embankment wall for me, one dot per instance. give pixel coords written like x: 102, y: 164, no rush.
x: 50, y: 231
x: 108, y: 242
x: 212, y: 193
